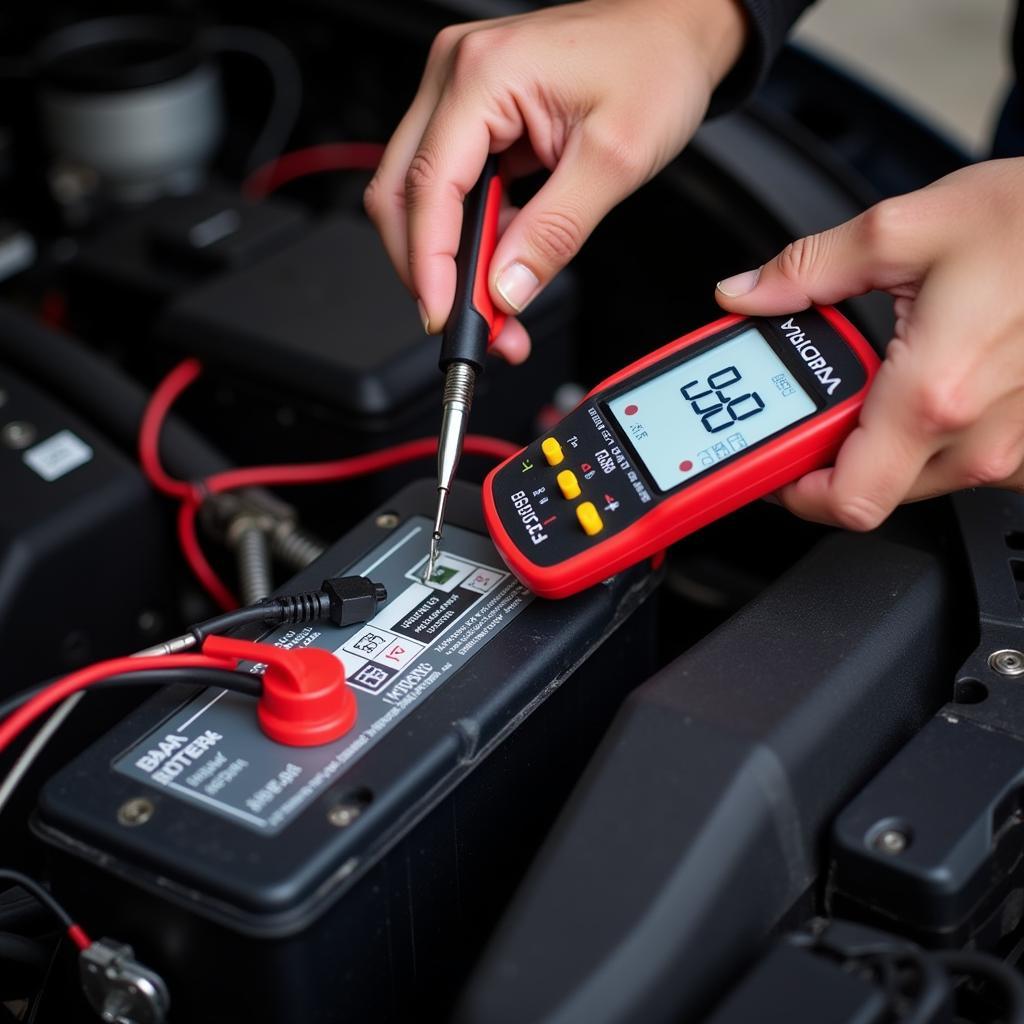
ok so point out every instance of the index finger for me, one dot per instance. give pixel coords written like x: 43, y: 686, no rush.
x: 450, y: 158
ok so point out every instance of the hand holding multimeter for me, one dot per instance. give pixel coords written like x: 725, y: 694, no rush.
x: 711, y: 421
x: 678, y: 439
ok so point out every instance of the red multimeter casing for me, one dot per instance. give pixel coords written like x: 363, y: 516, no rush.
x: 825, y: 364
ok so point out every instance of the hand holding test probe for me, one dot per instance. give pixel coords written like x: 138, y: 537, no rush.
x: 473, y: 324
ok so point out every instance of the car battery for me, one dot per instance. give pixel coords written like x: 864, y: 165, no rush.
x: 353, y: 881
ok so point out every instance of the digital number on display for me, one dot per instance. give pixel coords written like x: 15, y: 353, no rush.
x: 708, y: 408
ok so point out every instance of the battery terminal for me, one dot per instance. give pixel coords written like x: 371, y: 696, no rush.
x: 306, y: 700
x: 119, y: 988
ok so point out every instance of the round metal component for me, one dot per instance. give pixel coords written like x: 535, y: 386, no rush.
x: 342, y: 815
x: 1007, y: 662
x: 18, y: 434
x: 387, y: 520
x: 136, y: 811
x: 891, y: 841
x: 133, y: 98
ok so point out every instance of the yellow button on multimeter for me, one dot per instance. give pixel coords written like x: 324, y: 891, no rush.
x: 568, y: 484
x: 589, y: 519
x: 552, y: 451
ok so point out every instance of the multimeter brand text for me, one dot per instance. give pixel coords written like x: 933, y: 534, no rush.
x: 530, y: 519
x: 812, y: 356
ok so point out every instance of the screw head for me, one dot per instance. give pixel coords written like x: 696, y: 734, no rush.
x: 149, y: 621
x: 891, y: 841
x: 387, y: 520
x: 342, y: 815
x: 1007, y: 662
x: 136, y: 811
x: 18, y: 434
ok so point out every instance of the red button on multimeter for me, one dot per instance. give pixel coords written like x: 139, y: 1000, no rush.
x: 676, y: 440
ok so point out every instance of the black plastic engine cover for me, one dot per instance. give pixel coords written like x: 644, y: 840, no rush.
x: 697, y: 824
x: 71, y: 506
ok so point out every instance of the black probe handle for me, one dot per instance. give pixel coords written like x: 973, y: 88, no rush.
x: 474, y: 322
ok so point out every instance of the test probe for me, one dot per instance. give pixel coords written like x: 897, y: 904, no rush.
x: 472, y: 325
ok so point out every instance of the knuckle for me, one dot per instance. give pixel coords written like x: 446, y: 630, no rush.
x: 473, y: 52
x: 372, y: 199
x: 883, y: 222
x: 420, y: 175
x: 857, y: 512
x: 991, y: 468
x: 620, y: 153
x: 445, y: 41
x: 557, y: 236
x: 797, y: 262
x: 943, y: 408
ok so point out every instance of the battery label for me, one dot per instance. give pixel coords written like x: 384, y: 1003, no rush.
x: 212, y: 751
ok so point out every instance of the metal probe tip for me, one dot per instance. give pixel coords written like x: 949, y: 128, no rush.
x: 435, y: 537
x: 432, y: 560
x: 459, y: 380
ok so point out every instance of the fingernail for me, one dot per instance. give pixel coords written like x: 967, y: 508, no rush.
x: 424, y: 318
x: 739, y: 284
x: 517, y: 284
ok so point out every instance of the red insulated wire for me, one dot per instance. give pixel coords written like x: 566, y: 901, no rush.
x: 78, y: 936
x: 165, y: 395
x: 353, y: 466
x: 191, y: 495
x: 191, y: 549
x: 330, y: 156
x: 38, y: 705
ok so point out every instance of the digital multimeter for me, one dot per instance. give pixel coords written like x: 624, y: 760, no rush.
x: 676, y: 440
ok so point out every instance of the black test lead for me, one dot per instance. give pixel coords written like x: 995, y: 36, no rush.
x: 473, y: 324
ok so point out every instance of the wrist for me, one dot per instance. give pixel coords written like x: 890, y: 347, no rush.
x: 716, y: 29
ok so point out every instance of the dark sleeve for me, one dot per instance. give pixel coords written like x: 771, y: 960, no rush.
x: 769, y: 22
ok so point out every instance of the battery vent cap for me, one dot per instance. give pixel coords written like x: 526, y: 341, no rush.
x: 305, y: 701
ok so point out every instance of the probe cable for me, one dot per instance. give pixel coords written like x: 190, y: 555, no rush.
x: 191, y: 495
x: 342, y: 600
x: 238, y: 682
x: 39, y: 702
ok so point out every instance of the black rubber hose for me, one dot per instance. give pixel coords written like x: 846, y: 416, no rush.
x: 99, y: 391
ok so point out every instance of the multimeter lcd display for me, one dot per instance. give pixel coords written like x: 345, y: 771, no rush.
x: 709, y: 408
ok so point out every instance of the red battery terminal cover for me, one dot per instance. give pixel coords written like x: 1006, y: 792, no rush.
x: 306, y: 700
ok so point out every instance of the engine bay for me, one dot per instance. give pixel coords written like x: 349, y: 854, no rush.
x: 779, y: 768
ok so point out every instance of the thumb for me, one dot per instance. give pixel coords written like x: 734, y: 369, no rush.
x: 873, y: 250
x: 590, y: 178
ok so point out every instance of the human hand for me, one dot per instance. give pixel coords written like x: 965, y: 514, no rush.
x: 602, y: 93
x: 946, y: 410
